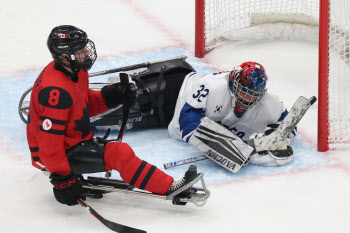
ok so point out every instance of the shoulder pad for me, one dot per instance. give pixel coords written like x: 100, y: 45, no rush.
x: 55, y: 97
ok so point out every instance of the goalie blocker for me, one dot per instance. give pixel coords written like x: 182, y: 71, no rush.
x: 231, y: 152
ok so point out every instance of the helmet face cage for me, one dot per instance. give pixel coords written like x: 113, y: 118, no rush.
x: 71, y: 41
x: 248, y: 84
x: 90, y: 59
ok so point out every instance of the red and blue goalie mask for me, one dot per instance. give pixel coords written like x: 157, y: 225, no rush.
x: 248, y: 84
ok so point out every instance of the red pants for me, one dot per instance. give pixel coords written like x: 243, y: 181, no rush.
x: 120, y: 157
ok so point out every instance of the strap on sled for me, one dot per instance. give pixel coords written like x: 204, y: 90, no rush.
x: 157, y: 98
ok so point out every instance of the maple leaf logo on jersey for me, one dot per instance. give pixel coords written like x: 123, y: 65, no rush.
x: 83, y: 125
x: 218, y: 109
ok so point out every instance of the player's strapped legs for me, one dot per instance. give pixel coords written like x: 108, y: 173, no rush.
x: 86, y: 157
x: 221, y: 145
x: 140, y: 174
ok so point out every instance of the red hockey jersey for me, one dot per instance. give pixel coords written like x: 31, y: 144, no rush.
x: 59, y: 116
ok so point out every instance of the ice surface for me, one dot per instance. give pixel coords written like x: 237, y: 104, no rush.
x: 309, y: 195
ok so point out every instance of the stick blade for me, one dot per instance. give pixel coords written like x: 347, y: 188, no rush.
x: 184, y: 161
x: 121, y: 228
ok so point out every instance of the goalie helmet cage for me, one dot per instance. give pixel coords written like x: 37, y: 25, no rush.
x: 328, y: 20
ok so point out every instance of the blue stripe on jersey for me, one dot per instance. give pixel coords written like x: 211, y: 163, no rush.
x: 239, y: 115
x: 283, y: 115
x: 190, y: 118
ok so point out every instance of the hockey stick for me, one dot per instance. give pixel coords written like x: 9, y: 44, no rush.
x: 184, y: 161
x: 111, y: 225
x: 124, y: 80
x: 136, y: 66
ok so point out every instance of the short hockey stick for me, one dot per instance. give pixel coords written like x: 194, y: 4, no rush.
x: 184, y: 161
x: 111, y: 225
x: 136, y: 66
x: 124, y: 80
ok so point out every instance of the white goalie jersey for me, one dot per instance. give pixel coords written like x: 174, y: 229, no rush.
x: 209, y: 95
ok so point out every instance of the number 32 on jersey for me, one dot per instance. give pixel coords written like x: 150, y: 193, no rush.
x: 201, y: 93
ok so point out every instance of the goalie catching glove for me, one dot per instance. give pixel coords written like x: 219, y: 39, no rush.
x: 272, y: 158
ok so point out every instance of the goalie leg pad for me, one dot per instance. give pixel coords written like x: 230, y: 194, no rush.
x: 221, y: 145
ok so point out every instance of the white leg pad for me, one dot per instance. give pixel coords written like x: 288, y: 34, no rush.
x: 221, y: 145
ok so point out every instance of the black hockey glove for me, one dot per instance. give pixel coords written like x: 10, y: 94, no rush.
x: 271, y: 128
x: 117, y: 93
x: 67, y: 189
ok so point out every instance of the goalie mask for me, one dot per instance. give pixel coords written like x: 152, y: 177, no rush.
x: 73, y: 42
x: 247, y: 83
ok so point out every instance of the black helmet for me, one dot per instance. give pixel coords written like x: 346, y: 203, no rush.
x: 66, y: 39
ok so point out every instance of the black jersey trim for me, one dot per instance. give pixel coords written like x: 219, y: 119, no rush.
x: 34, y: 149
x: 36, y: 158
x: 52, y: 131
x: 54, y: 121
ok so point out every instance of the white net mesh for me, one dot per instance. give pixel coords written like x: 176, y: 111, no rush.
x: 290, y: 19
x: 224, y: 17
x: 339, y: 72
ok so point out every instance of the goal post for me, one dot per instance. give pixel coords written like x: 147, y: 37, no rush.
x: 334, y: 75
x: 199, y: 27
x: 325, y: 20
x: 323, y: 68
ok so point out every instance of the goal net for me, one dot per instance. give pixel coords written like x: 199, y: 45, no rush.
x: 326, y: 20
